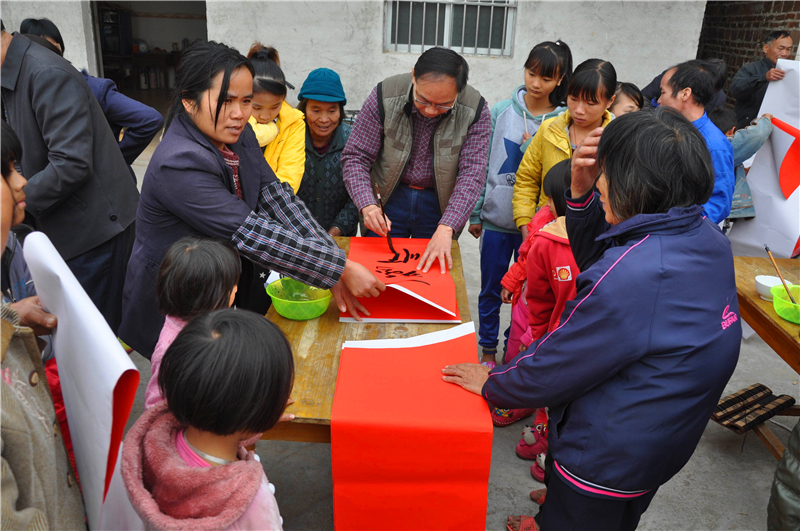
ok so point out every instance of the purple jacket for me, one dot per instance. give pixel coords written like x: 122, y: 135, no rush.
x: 642, y: 354
x: 187, y: 191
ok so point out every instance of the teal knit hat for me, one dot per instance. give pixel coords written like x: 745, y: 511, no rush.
x: 323, y: 84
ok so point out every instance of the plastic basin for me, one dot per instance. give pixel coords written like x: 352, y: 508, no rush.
x: 297, y: 301
x: 783, y: 306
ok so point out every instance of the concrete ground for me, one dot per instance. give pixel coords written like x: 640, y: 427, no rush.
x: 725, y: 485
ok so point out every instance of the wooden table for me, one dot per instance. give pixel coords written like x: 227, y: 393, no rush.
x: 778, y: 333
x: 317, y: 345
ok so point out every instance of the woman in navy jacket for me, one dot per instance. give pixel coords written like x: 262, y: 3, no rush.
x: 643, y: 353
x: 208, y: 178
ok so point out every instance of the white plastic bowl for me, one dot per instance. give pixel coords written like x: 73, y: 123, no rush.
x: 764, y: 284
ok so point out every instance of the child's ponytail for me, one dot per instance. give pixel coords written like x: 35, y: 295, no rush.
x: 268, y: 74
x: 554, y: 60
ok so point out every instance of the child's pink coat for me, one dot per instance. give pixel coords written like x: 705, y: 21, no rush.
x: 171, y: 329
x: 171, y: 488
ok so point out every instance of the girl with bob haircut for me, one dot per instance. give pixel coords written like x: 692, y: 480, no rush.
x: 197, y: 276
x: 627, y: 99
x: 514, y: 122
x: 226, y: 378
x: 208, y: 178
x: 280, y: 129
x: 589, y: 95
x: 636, y: 362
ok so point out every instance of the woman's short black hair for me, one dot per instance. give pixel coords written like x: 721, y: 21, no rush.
x: 590, y: 77
x: 700, y: 76
x: 10, y: 147
x: 556, y: 181
x: 553, y: 60
x: 632, y: 91
x: 724, y: 119
x: 654, y: 161
x: 197, y: 275
x: 228, y: 371
x: 42, y: 27
x: 268, y: 75
x: 200, y: 63
x: 443, y: 62
x: 301, y: 106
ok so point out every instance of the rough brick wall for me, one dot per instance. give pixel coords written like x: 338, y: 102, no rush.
x: 734, y: 31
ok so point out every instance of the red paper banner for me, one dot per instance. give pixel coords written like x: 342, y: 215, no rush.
x: 789, y: 172
x: 411, y: 295
x: 409, y: 451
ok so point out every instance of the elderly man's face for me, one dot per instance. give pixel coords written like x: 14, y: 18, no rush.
x: 778, y: 49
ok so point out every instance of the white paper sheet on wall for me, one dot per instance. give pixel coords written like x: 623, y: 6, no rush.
x: 777, y: 221
x: 98, y: 379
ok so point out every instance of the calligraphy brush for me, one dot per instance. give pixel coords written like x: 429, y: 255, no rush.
x: 380, y: 203
x: 775, y: 264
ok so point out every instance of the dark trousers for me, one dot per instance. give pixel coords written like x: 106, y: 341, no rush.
x: 101, y: 272
x: 251, y: 293
x: 566, y: 509
x: 497, y: 248
x: 414, y: 213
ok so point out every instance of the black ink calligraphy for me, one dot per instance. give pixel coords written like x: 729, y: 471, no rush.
x: 396, y: 258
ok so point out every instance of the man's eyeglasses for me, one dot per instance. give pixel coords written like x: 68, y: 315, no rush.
x: 429, y: 104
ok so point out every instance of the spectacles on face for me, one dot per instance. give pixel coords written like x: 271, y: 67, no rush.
x: 424, y: 103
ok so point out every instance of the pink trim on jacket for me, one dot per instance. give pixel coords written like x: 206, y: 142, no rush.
x: 171, y: 329
x: 542, y: 342
x: 168, y: 493
x: 604, y: 491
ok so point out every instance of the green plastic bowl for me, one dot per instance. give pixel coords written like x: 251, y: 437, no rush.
x: 783, y: 306
x: 296, y: 301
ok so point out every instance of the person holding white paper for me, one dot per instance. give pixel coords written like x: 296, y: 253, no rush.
x: 39, y: 488
x: 750, y: 83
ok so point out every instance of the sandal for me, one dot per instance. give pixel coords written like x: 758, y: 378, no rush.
x: 526, y: 523
x: 489, y: 364
x: 538, y: 496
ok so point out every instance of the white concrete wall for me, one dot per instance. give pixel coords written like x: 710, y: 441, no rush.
x: 641, y: 39
x: 74, y: 21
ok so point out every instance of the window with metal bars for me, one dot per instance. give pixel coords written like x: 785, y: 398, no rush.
x: 470, y: 27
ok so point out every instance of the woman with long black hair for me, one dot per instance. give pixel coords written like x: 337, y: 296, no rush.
x: 208, y: 177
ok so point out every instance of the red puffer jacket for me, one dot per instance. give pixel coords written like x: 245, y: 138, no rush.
x: 515, y: 278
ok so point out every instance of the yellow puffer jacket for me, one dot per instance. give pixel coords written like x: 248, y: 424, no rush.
x: 286, y: 154
x: 550, y: 145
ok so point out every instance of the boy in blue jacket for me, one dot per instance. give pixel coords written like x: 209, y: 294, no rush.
x: 643, y: 353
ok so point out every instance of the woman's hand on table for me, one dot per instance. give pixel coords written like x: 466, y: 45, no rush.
x: 439, y: 247
x: 360, y: 281
x: 470, y: 376
x: 356, y: 281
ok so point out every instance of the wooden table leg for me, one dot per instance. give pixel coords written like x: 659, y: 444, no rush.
x: 774, y: 445
x: 299, y: 431
x: 793, y: 411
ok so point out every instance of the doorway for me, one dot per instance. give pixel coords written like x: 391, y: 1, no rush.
x: 141, y: 45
